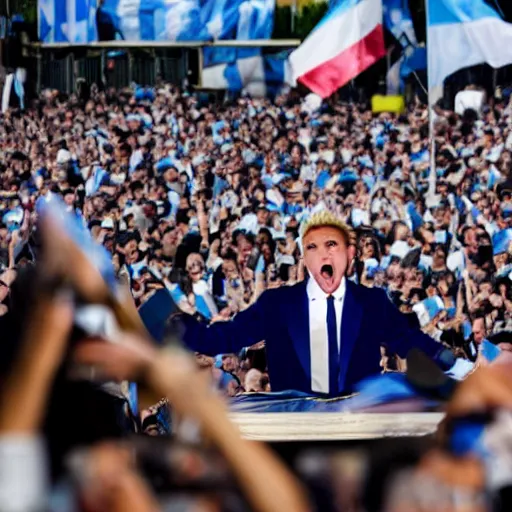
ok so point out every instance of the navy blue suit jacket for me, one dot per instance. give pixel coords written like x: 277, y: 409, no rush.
x: 281, y: 318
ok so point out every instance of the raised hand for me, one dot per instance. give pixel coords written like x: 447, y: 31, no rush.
x: 488, y: 388
x: 62, y: 257
x: 43, y: 349
x: 172, y: 373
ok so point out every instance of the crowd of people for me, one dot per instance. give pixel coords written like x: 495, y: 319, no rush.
x: 204, y: 203
x: 207, y: 203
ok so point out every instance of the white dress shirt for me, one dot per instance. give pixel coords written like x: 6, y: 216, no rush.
x: 318, y: 341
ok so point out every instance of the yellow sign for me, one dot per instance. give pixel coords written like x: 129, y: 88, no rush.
x: 297, y: 3
x: 394, y: 104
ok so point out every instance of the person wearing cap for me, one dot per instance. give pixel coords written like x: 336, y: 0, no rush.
x: 323, y: 335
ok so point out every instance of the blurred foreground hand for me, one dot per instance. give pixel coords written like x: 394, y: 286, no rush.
x: 109, y: 482
x: 488, y: 388
x: 266, y: 483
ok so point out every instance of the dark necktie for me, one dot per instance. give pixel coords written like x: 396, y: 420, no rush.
x: 332, y: 335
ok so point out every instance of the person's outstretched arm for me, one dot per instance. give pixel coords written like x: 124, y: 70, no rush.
x: 402, y: 337
x: 23, y: 399
x: 267, y: 484
x: 244, y: 330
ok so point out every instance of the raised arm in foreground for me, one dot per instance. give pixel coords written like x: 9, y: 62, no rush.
x: 266, y: 483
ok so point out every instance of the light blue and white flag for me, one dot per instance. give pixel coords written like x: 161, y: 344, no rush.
x: 67, y: 21
x: 501, y: 241
x: 428, y: 309
x: 157, y: 20
x: 96, y: 180
x: 191, y: 20
x: 463, y: 33
x: 414, y: 58
x: 258, y: 75
x: 398, y: 20
x: 235, y: 69
x: 74, y: 21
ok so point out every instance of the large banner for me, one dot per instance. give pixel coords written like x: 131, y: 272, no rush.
x: 86, y: 21
x: 82, y: 21
x: 67, y: 21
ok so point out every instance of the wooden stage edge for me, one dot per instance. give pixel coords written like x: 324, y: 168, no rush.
x: 310, y: 426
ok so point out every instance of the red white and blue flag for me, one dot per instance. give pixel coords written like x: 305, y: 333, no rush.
x: 348, y: 40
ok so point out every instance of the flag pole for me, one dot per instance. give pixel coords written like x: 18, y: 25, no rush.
x: 420, y: 83
x: 293, y: 15
x: 433, y: 171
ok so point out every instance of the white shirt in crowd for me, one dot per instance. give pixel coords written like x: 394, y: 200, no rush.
x: 318, y: 340
x: 23, y: 474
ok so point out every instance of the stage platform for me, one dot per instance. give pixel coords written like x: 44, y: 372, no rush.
x: 278, y: 427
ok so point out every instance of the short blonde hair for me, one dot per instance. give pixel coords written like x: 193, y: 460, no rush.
x: 325, y: 218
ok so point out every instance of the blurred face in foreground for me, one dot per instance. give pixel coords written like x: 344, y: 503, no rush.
x: 326, y: 256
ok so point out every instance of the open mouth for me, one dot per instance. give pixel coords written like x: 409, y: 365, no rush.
x: 327, y: 271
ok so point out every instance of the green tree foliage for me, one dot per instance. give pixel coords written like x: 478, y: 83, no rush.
x: 309, y: 17
x: 26, y: 7
x: 29, y: 10
x: 304, y: 20
x: 283, y: 24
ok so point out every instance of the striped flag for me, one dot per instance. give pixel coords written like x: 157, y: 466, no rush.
x: 348, y: 40
x: 260, y: 75
x: 463, y: 33
x: 428, y: 309
x: 236, y: 69
x: 98, y: 178
x: 67, y: 21
x: 398, y: 20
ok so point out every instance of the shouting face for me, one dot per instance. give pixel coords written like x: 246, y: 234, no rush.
x: 195, y: 266
x: 327, y: 256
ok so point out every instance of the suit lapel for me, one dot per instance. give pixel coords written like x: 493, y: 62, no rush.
x: 298, y: 326
x: 350, y: 323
